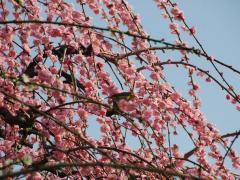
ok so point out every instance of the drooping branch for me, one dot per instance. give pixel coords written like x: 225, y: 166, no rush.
x: 236, y: 134
x: 196, y: 68
x: 205, y: 52
x: 162, y: 41
x: 88, y: 27
x: 159, y: 171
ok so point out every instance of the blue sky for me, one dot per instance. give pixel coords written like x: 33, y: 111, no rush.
x: 218, y: 30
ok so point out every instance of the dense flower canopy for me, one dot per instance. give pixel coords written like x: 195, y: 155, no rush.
x: 60, y: 74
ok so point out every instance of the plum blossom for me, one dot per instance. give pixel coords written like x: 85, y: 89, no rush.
x: 59, y: 73
x: 45, y: 75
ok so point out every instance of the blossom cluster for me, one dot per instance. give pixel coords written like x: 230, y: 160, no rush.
x: 61, y: 74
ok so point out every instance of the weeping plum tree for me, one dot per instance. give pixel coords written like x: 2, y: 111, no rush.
x: 61, y: 74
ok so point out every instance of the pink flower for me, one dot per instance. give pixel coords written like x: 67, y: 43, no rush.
x: 100, y: 120
x: 233, y: 101
x: 45, y: 40
x: 45, y: 75
x: 59, y: 155
x: 208, y: 79
x: 35, y: 176
x: 89, y: 85
x: 83, y: 114
x: 157, y: 126
x: 178, y: 14
x: 12, y: 53
x: 54, y: 70
x: 193, y: 30
x: 55, y: 32
x: 36, y: 42
x: 58, y: 139
x: 147, y: 114
x: 174, y: 28
x: 238, y: 108
x: 105, y: 128
x: 175, y: 96
x: 211, y: 58
x: 175, y: 10
x: 85, y: 171
x: 78, y: 58
x: 155, y: 76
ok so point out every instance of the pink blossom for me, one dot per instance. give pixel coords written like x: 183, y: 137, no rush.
x: 45, y: 75
x: 78, y: 58
x: 238, y: 108
x: 54, y: 70
x: 175, y: 96
x: 105, y: 128
x: 155, y: 76
x: 35, y: 176
x: 174, y: 28
x: 58, y: 139
x: 12, y: 53
x: 54, y: 117
x: 193, y: 30
x: 100, y: 120
x: 89, y: 85
x: 211, y: 58
x: 55, y: 32
x: 178, y: 14
x: 59, y: 155
x: 147, y: 114
x: 83, y: 114
x: 175, y: 10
